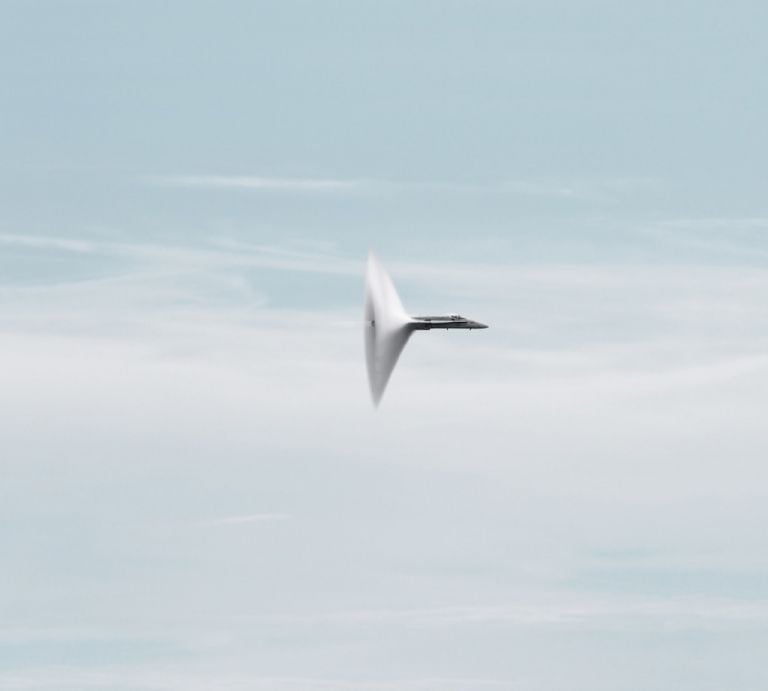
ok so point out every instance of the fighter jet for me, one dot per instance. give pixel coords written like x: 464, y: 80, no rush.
x: 388, y: 326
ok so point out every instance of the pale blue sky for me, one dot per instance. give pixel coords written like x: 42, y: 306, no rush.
x: 196, y: 492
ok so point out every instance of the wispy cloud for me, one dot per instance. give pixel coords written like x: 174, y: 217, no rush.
x: 737, y: 239
x: 334, y: 185
x: 125, y: 678
x: 574, y: 190
x: 248, y: 182
x: 717, y: 223
x: 561, y: 611
x: 38, y: 242
x: 252, y: 518
x: 218, y: 253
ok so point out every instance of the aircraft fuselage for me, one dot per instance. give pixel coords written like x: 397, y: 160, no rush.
x: 451, y: 321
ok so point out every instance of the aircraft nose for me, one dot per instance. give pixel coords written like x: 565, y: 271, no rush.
x: 478, y: 325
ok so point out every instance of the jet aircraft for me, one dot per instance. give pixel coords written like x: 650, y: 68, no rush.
x: 388, y: 326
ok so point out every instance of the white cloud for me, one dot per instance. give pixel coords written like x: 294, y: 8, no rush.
x: 252, y: 518
x: 597, y: 190
x: 569, y: 610
x: 164, y: 679
x: 247, y: 182
x: 38, y: 242
x: 129, y: 384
